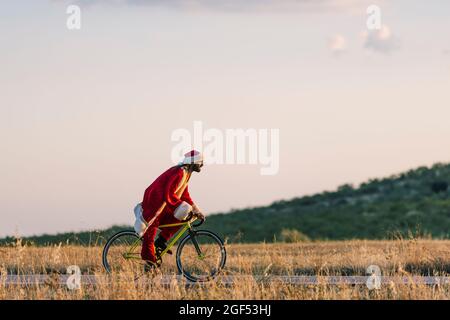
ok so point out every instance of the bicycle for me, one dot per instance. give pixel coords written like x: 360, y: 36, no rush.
x: 200, y: 255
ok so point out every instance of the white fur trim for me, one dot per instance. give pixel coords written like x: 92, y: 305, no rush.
x: 196, y: 158
x: 138, y: 210
x: 182, y: 211
x: 139, y: 225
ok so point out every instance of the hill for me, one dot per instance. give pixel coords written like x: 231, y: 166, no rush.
x: 417, y: 200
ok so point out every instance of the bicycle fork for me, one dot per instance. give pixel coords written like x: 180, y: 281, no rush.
x: 197, y: 247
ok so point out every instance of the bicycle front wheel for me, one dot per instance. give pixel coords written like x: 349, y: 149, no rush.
x: 201, y: 256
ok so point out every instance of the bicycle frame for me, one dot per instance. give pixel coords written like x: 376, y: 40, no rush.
x: 186, y: 226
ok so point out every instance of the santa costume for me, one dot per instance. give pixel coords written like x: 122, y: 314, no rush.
x: 166, y: 201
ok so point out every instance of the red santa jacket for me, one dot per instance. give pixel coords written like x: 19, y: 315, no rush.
x: 163, y: 189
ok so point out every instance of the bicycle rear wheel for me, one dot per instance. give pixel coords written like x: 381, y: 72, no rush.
x: 122, y: 252
x: 201, y: 256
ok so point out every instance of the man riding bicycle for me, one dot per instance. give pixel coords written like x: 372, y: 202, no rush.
x: 166, y: 201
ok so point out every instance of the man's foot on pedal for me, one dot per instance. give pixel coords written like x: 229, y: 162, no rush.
x: 160, y: 246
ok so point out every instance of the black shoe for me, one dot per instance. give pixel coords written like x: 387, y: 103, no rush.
x: 160, y: 246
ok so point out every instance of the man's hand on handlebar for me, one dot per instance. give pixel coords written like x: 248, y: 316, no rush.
x: 195, y: 215
x: 196, y: 212
x: 198, y: 215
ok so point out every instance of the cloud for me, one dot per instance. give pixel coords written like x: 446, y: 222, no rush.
x: 337, y: 44
x: 382, y: 41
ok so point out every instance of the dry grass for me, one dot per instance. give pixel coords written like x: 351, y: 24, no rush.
x: 395, y: 258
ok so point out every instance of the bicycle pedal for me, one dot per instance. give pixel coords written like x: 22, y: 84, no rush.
x: 160, y: 251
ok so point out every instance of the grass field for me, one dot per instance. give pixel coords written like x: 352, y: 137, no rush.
x: 395, y: 258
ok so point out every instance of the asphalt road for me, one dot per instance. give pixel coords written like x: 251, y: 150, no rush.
x: 38, y: 279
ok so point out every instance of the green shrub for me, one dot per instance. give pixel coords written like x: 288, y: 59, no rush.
x: 293, y: 236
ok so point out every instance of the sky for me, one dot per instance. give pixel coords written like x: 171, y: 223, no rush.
x: 86, y: 116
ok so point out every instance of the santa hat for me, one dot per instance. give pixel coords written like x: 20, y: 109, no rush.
x: 193, y: 157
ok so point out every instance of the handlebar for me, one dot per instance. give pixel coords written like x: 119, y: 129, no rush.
x: 199, y: 223
x: 193, y: 218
